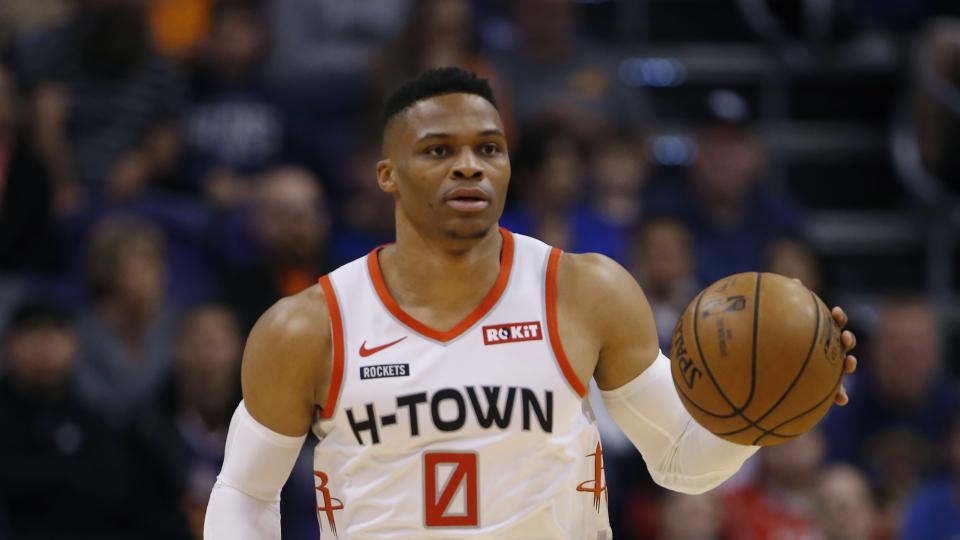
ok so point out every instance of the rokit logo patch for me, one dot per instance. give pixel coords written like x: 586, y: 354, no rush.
x: 384, y: 370
x: 512, y: 332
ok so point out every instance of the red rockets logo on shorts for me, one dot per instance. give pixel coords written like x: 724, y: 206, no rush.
x: 512, y: 332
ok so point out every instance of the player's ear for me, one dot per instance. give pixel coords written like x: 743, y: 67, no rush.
x: 386, y: 175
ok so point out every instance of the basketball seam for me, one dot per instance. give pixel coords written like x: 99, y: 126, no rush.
x: 738, y: 411
x: 832, y: 393
x: 696, y: 302
x: 806, y: 362
x: 772, y: 432
x: 753, y: 354
x: 696, y: 338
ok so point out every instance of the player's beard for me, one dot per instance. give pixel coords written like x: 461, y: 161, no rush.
x: 468, y: 235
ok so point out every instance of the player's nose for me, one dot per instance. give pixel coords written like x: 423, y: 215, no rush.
x: 467, y: 166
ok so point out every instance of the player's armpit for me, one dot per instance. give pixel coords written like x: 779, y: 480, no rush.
x: 598, y: 295
x: 286, y: 363
x: 680, y: 454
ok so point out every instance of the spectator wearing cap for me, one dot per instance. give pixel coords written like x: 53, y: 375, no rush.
x: 730, y: 210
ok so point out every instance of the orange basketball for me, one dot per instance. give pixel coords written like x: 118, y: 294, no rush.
x: 757, y: 358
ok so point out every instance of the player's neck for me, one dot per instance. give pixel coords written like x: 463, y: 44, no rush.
x: 449, y: 275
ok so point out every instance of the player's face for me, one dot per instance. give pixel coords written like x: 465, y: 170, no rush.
x: 447, y: 165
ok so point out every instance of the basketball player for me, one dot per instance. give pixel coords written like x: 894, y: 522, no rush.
x: 446, y: 374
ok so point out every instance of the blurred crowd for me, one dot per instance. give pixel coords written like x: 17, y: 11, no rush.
x: 170, y: 168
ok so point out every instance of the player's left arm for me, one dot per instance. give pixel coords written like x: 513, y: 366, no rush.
x: 634, y: 376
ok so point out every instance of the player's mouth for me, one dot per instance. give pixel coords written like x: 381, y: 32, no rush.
x: 464, y: 199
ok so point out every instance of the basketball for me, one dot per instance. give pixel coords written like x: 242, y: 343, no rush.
x: 757, y: 358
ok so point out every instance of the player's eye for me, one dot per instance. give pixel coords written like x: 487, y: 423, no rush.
x: 438, y: 150
x: 490, y: 149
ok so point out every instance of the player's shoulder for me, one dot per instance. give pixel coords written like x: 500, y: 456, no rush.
x: 285, y: 362
x: 598, y: 290
x: 289, y: 344
x: 592, y: 273
x: 297, y: 318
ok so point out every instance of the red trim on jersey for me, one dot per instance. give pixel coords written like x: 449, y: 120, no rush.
x: 506, y: 263
x: 336, y: 323
x: 553, y: 328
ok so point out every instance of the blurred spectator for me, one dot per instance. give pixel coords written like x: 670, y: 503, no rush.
x: 27, y: 238
x: 780, y: 502
x: 64, y: 471
x: 366, y: 215
x: 662, y: 258
x: 313, y: 37
x: 548, y: 180
x: 904, y: 387
x: 233, y: 126
x: 900, y: 406
x: 618, y: 171
x: 440, y: 33
x: 20, y: 17
x: 105, y: 104
x: 189, y: 430
x: 845, y: 506
x: 127, y: 335
x: 938, y: 100
x: 321, y: 57
x: 733, y: 216
x: 794, y: 258
x: 552, y: 75
x: 289, y: 226
x: 690, y: 517
x: 179, y: 26
x: 933, y: 513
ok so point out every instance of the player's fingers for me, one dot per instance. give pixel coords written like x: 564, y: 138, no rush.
x: 850, y: 364
x: 839, y: 316
x: 848, y: 339
x: 841, y: 397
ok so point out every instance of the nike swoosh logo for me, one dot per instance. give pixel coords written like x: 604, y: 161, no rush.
x: 365, y: 352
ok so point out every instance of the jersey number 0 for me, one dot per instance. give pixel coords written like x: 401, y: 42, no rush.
x: 446, y: 474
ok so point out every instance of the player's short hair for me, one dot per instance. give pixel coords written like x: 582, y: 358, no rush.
x: 436, y: 82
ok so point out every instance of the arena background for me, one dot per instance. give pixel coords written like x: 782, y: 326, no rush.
x: 169, y: 168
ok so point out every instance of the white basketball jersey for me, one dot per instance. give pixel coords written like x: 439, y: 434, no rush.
x: 481, y: 431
